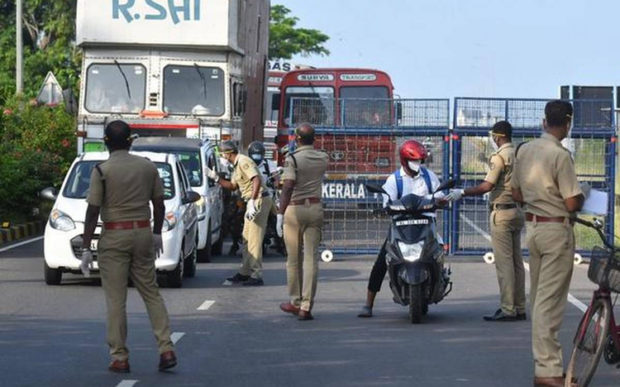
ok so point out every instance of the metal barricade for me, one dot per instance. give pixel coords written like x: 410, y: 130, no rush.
x: 592, y: 144
x: 362, y: 138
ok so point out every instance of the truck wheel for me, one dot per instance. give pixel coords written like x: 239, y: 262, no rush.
x: 190, y: 264
x: 416, y: 303
x: 174, y: 278
x: 204, y: 255
x: 52, y: 276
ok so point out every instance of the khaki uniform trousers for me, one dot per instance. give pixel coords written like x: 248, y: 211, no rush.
x: 552, y: 249
x: 302, y: 231
x: 124, y: 254
x: 253, y: 234
x: 506, y: 226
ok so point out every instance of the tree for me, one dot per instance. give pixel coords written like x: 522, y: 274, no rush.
x: 49, y: 34
x: 285, y: 40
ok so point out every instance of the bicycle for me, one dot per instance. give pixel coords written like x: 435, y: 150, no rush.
x: 597, y: 332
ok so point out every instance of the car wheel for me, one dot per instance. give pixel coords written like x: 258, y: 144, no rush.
x: 174, y: 278
x: 204, y: 255
x: 217, y: 247
x: 52, y: 276
x: 190, y: 264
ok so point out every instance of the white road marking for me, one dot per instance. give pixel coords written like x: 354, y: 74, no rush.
x: 206, y: 305
x: 127, y: 383
x: 176, y: 336
x: 21, y: 244
x: 572, y: 299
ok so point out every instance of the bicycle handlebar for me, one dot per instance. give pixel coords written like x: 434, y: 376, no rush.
x: 596, y: 226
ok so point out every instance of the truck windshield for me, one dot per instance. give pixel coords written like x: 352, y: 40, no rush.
x: 314, y: 105
x: 115, y: 88
x: 365, y: 106
x: 193, y: 89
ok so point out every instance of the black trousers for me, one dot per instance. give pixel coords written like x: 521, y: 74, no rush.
x: 377, y: 274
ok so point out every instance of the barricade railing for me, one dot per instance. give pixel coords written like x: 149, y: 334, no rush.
x: 592, y: 144
x: 362, y: 138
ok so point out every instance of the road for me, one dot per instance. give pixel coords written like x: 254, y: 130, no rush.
x: 54, y: 335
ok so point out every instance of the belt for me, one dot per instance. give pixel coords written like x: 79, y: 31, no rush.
x: 263, y: 195
x: 300, y: 202
x: 503, y: 206
x: 126, y: 225
x: 542, y: 219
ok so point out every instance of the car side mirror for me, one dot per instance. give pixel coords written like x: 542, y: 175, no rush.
x: 191, y: 197
x: 49, y: 193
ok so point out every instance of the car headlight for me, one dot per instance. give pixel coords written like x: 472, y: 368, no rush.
x: 411, y: 252
x: 170, y: 221
x: 61, y: 221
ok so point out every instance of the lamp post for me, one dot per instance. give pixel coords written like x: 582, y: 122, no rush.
x: 19, y: 64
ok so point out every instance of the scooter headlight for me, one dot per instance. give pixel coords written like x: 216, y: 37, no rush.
x: 61, y: 221
x: 411, y: 252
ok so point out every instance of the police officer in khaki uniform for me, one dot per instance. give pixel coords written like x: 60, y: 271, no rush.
x: 544, y: 179
x: 121, y: 189
x: 300, y: 219
x: 506, y: 223
x: 247, y: 178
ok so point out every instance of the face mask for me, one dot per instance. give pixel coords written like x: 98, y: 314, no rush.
x: 257, y: 158
x: 414, y: 166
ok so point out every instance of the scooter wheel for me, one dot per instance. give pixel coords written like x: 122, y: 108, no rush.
x: 327, y: 256
x: 578, y: 260
x: 489, y: 258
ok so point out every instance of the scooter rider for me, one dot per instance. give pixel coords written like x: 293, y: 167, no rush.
x: 410, y: 178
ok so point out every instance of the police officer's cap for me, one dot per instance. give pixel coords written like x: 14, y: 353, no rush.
x: 502, y: 128
x: 228, y: 147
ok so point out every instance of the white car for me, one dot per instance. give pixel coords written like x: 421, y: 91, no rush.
x: 195, y: 155
x: 64, y: 229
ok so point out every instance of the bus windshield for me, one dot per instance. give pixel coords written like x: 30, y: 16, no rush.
x: 193, y: 89
x: 115, y: 88
x: 365, y: 106
x: 314, y: 105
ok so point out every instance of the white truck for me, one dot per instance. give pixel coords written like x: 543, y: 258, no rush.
x: 188, y: 68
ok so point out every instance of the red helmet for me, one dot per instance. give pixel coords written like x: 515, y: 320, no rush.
x: 411, y: 150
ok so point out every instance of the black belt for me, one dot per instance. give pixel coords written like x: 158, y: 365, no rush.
x: 503, y: 206
x: 264, y: 194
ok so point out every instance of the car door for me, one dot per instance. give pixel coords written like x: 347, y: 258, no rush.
x: 189, y: 212
x: 214, y: 191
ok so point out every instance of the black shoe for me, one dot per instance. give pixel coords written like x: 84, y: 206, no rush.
x: 237, y: 278
x: 521, y: 316
x: 500, y: 316
x: 254, y: 282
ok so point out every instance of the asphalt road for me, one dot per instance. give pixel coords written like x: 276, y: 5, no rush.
x: 54, y: 335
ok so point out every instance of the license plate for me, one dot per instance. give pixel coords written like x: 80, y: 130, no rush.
x: 93, y: 245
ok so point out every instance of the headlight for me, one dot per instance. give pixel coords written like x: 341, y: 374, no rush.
x: 61, y: 221
x: 201, y: 206
x: 411, y: 253
x: 170, y: 221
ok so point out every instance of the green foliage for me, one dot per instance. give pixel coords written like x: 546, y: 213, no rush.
x: 37, y: 146
x: 49, y: 33
x: 285, y: 40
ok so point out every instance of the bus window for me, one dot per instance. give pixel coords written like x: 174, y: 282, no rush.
x: 314, y: 105
x: 365, y: 105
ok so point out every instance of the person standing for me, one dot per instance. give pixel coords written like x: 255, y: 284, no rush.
x: 247, y: 179
x: 506, y: 222
x: 544, y: 179
x: 300, y: 219
x: 121, y: 188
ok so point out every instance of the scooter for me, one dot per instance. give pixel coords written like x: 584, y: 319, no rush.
x: 414, y: 255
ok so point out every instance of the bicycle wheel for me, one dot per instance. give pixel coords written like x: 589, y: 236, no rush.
x: 589, y: 343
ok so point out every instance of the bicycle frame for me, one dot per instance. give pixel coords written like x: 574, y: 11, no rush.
x: 614, y: 330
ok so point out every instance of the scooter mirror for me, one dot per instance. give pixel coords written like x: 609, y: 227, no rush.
x: 448, y: 184
x: 375, y: 189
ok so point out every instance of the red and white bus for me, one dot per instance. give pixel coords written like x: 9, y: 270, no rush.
x: 353, y: 110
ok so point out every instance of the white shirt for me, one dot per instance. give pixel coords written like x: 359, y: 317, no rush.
x: 412, y: 185
x: 272, y: 168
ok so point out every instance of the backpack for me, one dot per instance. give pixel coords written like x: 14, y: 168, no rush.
x: 399, y: 181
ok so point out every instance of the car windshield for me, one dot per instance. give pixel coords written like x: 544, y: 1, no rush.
x: 193, y: 89
x: 167, y: 179
x: 78, y: 182
x: 365, y: 105
x: 115, y: 88
x: 314, y: 105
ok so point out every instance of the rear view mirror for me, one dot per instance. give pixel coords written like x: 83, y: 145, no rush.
x: 448, y: 184
x: 49, y: 193
x: 191, y: 197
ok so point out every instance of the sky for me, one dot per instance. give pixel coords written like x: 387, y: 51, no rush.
x: 470, y: 48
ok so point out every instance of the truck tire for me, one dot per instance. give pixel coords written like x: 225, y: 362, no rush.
x: 52, y: 276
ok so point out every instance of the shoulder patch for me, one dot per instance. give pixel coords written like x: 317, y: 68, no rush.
x: 246, y: 166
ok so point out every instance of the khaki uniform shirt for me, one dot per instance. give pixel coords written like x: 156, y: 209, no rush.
x: 245, y: 171
x: 500, y: 174
x: 545, y: 173
x: 307, y: 174
x: 131, y: 182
